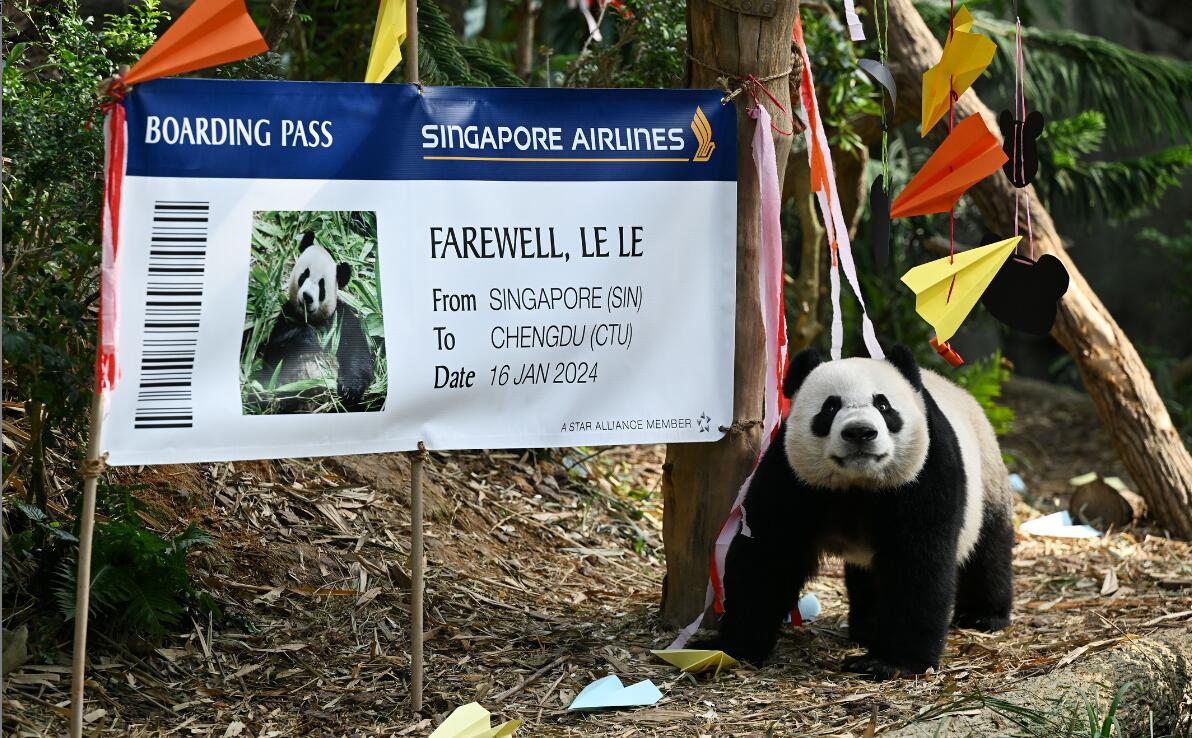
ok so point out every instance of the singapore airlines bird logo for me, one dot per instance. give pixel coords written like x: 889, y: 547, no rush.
x: 703, y: 134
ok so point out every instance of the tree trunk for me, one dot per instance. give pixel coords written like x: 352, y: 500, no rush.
x: 281, y: 12
x: 527, y: 18
x: 700, y: 480
x: 805, y: 323
x: 1113, y: 373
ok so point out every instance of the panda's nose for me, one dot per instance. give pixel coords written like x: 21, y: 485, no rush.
x: 308, y: 298
x: 858, y: 433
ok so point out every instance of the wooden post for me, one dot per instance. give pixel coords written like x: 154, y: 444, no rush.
x: 91, y: 470
x: 700, y: 480
x: 417, y: 579
x: 1128, y: 404
x: 417, y: 559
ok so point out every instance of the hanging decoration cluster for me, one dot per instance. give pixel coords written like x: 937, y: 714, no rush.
x: 1016, y: 290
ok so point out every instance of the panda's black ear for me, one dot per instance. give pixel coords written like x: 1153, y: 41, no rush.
x: 308, y: 238
x: 903, y: 360
x: 801, y: 365
x: 343, y: 273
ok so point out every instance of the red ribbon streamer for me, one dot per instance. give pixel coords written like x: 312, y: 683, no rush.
x: 106, y: 369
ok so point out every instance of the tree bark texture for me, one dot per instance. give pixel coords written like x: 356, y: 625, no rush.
x: 281, y: 12
x: 1127, y: 402
x: 700, y: 480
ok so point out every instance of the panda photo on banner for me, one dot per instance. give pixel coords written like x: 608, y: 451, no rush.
x: 313, y: 330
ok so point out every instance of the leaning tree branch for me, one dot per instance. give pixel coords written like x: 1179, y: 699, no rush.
x: 281, y: 12
x: 1113, y: 373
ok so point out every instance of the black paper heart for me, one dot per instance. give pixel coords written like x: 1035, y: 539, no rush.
x: 1020, y: 146
x: 1024, y: 293
x: 879, y: 214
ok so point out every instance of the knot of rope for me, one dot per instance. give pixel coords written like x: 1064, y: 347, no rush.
x: 92, y: 468
x: 740, y: 426
x: 111, y: 93
x: 734, y: 84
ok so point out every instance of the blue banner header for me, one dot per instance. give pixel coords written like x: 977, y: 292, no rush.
x: 337, y: 130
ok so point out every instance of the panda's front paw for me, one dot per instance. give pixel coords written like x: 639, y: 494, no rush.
x: 880, y: 669
x: 986, y: 623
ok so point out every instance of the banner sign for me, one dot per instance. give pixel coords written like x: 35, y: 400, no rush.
x: 326, y: 268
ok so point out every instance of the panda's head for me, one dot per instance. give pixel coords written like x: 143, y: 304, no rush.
x: 856, y: 422
x: 313, y: 287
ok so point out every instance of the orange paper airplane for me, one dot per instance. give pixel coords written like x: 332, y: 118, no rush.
x: 968, y: 155
x: 209, y: 33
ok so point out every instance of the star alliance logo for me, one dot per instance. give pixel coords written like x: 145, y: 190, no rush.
x: 704, y: 422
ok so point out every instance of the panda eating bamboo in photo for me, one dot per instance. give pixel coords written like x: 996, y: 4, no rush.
x: 294, y: 351
x: 898, y: 472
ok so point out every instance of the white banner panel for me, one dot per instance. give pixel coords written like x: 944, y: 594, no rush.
x: 316, y: 269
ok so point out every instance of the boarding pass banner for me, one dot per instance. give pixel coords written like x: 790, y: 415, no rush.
x: 321, y: 268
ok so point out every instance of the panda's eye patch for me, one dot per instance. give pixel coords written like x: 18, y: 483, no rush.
x: 322, y: 290
x: 302, y: 277
x: 889, y: 414
x: 821, y: 424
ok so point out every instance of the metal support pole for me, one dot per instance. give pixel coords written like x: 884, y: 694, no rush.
x: 91, y: 470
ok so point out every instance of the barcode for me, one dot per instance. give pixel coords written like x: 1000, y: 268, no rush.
x: 174, y: 295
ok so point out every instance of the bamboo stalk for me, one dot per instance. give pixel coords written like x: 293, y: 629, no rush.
x: 418, y: 579
x: 417, y: 567
x: 91, y: 470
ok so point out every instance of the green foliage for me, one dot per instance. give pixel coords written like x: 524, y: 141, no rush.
x: 139, y: 580
x: 1173, y: 377
x: 984, y: 380
x: 52, y: 188
x: 331, y: 41
x: 1143, y: 96
x: 350, y: 237
x: 640, y: 49
x: 843, y: 91
x: 443, y: 59
x: 1119, y: 190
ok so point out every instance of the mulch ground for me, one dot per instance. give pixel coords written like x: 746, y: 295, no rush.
x: 544, y: 574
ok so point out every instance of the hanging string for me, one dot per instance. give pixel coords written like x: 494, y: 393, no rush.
x: 1020, y: 110
x: 951, y: 125
x: 881, y: 29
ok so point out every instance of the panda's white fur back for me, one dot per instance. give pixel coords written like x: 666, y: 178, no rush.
x: 968, y: 421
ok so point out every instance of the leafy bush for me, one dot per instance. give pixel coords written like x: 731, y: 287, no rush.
x: 138, y: 579
x: 52, y: 188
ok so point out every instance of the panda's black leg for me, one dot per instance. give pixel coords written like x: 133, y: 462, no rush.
x: 862, y: 603
x: 761, y: 584
x: 915, y: 587
x: 356, y: 368
x: 985, y: 589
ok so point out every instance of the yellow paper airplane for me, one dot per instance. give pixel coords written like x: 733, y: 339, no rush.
x: 697, y: 661
x: 965, y: 56
x: 947, y: 289
x: 388, y: 35
x: 473, y: 721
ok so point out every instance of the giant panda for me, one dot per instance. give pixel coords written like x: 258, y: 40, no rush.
x: 897, y: 471
x: 294, y: 352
